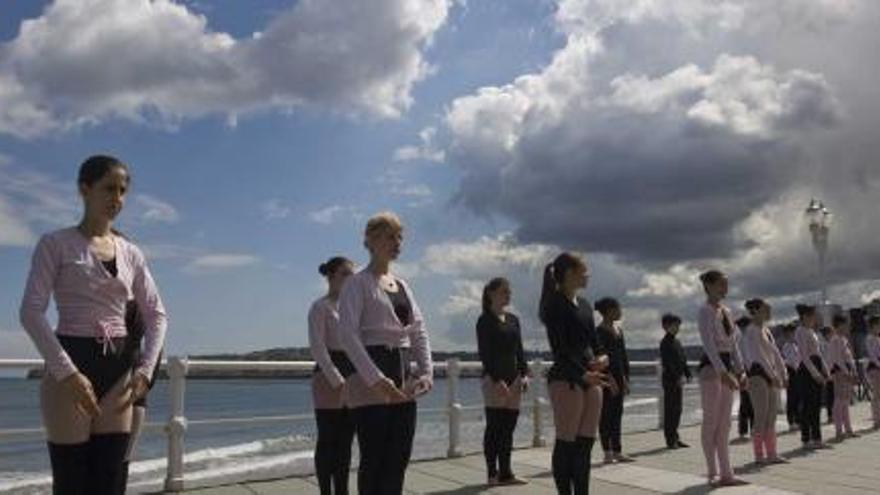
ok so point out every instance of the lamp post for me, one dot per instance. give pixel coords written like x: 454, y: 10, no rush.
x: 819, y: 218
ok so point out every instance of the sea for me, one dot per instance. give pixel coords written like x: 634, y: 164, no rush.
x: 252, y: 449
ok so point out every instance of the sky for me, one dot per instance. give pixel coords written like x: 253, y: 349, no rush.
x: 660, y: 138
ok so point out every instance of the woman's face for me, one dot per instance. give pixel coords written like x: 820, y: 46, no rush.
x: 576, y: 277
x: 615, y: 314
x: 765, y: 312
x: 385, y: 244
x: 340, y: 276
x: 809, y: 320
x: 717, y: 289
x: 105, y: 198
x: 500, y: 297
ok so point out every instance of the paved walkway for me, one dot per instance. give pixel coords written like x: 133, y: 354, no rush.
x: 852, y: 467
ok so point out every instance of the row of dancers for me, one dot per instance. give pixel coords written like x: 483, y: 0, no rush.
x: 100, y: 359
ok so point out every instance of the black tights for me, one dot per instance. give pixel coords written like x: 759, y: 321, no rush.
x: 498, y: 441
x: 571, y: 465
x: 811, y: 395
x: 91, y: 468
x: 385, y: 437
x: 610, y: 422
x: 333, y: 451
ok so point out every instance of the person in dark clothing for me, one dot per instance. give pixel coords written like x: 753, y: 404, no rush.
x: 675, y: 371
x: 576, y: 378
x: 505, y: 378
x: 828, y: 399
x: 746, y: 417
x: 610, y: 338
x: 792, y: 357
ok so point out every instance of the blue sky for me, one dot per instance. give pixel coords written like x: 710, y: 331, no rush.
x: 499, y: 130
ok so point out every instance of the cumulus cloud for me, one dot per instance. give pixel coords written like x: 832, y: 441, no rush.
x: 426, y: 150
x: 672, y: 145
x: 168, y: 64
x: 486, y: 257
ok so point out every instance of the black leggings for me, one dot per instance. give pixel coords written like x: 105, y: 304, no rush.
x: 498, y: 441
x: 610, y: 423
x: 333, y: 451
x: 792, y: 398
x: 91, y: 468
x: 385, y: 437
x: 746, y: 416
x: 828, y: 400
x: 811, y: 395
x: 571, y: 465
x: 672, y: 405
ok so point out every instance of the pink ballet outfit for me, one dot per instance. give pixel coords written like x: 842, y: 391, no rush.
x: 90, y: 301
x: 718, y: 335
x: 842, y: 364
x: 766, y: 368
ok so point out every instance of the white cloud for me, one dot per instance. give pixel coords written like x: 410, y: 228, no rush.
x: 329, y: 214
x: 31, y: 202
x: 152, y: 209
x: 275, y: 209
x: 394, y: 181
x: 465, y: 300
x: 680, y: 281
x: 348, y: 56
x: 487, y: 256
x: 13, y: 231
x: 426, y: 149
x: 870, y: 297
x: 739, y: 94
x: 212, y: 263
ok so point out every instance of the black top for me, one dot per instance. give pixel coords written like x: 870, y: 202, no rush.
x: 615, y: 347
x: 402, y: 306
x: 571, y: 332
x: 499, y: 344
x: 673, y: 360
x: 110, y: 265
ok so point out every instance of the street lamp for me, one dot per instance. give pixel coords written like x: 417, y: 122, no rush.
x: 819, y: 218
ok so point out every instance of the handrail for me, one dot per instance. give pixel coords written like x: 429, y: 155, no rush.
x: 179, y: 367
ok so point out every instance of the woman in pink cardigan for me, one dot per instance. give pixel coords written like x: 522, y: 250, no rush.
x: 90, y: 384
x: 382, y: 330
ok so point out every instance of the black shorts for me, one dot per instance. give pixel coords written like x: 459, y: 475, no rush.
x: 758, y: 370
x: 103, y: 369
x: 393, y: 362
x: 341, y: 362
x: 725, y: 359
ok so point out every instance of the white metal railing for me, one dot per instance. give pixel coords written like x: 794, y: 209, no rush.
x: 177, y: 424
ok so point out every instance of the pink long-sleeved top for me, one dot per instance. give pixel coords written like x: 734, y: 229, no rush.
x: 840, y: 355
x: 808, y: 344
x: 367, y: 318
x: 715, y: 339
x: 90, y: 301
x: 872, y: 349
x: 324, y: 337
x: 762, y: 350
x: 791, y: 354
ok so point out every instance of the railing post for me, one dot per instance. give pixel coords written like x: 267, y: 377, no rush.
x: 538, y: 403
x: 660, y: 394
x: 452, y: 373
x: 176, y: 427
